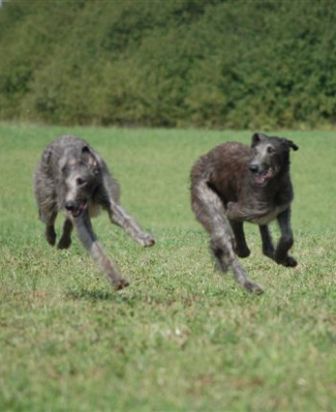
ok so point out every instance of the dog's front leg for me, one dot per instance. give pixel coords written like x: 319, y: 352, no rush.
x: 65, y: 241
x: 90, y: 242
x: 240, y: 246
x: 50, y: 233
x: 121, y: 218
x: 267, y: 243
x: 286, y: 240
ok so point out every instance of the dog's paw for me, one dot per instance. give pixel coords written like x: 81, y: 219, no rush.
x: 119, y: 284
x: 288, y: 261
x: 253, y: 287
x: 64, y: 243
x: 242, y: 252
x: 51, y: 237
x: 148, y: 241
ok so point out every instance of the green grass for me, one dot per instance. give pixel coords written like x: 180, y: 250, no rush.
x: 182, y: 337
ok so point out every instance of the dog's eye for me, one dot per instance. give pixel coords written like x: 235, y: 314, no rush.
x: 80, y: 181
x: 270, y: 149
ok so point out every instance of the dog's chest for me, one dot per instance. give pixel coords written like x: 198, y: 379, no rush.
x: 94, y: 209
x: 270, y: 215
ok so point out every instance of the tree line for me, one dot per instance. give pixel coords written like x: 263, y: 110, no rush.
x: 169, y: 63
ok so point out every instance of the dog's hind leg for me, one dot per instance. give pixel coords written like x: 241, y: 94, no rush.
x: 209, y: 210
x: 109, y: 200
x: 118, y: 216
x: 241, y: 247
x: 90, y: 242
x: 267, y: 243
x: 285, y: 242
x: 65, y: 241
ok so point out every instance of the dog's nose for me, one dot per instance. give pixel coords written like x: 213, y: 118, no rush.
x: 254, y: 168
x: 70, y: 206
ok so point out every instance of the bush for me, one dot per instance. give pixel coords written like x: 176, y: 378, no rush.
x: 238, y: 64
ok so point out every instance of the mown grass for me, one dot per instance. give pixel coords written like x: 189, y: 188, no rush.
x: 182, y: 337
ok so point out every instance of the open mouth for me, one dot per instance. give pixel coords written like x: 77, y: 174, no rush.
x: 263, y: 177
x: 77, y: 211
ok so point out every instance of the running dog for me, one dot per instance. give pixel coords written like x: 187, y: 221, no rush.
x: 235, y: 183
x: 72, y: 177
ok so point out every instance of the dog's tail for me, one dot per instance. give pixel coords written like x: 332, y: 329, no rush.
x: 209, y: 211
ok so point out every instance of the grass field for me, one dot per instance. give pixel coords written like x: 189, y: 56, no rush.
x: 182, y: 337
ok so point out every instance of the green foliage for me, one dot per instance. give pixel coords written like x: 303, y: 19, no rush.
x: 233, y: 63
x: 182, y: 337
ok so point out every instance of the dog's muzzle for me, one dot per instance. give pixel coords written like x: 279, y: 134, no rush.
x: 75, y: 208
x: 261, y: 174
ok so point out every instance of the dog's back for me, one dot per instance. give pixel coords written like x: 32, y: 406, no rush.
x: 55, y: 150
x: 224, y: 168
x: 49, y: 166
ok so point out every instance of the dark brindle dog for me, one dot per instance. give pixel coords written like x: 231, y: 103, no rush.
x: 234, y: 183
x: 72, y: 177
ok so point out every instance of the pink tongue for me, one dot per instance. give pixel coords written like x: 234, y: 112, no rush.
x: 80, y: 209
x: 260, y: 179
x: 263, y: 176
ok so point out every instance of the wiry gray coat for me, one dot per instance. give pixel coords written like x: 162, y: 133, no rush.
x: 72, y: 177
x: 234, y: 183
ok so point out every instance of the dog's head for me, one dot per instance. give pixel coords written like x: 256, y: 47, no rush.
x: 80, y: 176
x: 269, y: 157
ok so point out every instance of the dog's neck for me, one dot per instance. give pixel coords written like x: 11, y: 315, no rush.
x: 277, y: 190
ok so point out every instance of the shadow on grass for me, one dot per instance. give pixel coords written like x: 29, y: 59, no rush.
x: 98, y: 295
x: 166, y: 297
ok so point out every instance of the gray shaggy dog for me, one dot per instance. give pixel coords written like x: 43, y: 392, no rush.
x: 235, y: 183
x: 73, y: 178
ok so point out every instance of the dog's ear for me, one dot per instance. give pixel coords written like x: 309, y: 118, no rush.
x: 89, y: 157
x: 257, y: 138
x: 46, y: 156
x: 290, y: 144
x: 62, y: 163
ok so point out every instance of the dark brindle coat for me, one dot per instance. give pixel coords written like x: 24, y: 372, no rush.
x: 234, y: 183
x: 73, y: 178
